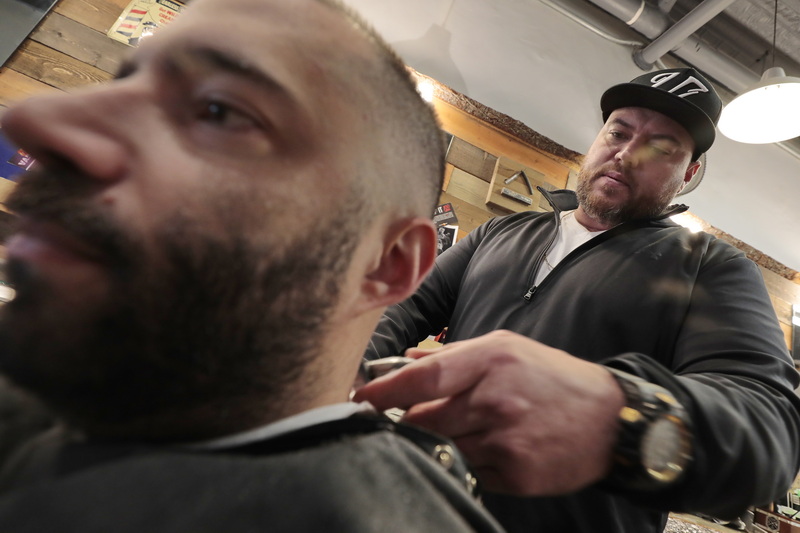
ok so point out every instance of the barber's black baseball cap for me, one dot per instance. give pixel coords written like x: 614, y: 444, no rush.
x: 682, y: 94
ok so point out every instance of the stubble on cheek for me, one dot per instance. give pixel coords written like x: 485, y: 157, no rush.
x: 594, y: 191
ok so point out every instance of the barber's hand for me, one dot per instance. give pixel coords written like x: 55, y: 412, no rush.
x: 532, y: 420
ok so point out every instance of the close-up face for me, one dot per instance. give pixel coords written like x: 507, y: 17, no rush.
x: 636, y: 165
x: 188, y: 192
x: 235, y: 103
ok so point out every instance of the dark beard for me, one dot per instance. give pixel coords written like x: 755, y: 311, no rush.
x: 209, y: 325
x: 610, y: 215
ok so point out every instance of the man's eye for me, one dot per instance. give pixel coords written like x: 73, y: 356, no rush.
x: 660, y: 151
x: 224, y: 115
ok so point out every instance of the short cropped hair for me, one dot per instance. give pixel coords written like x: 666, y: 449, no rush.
x: 413, y: 143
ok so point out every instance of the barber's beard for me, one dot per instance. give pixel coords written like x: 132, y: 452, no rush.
x: 208, y: 321
x: 613, y: 212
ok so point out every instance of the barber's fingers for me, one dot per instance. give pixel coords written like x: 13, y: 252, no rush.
x: 460, y: 346
x: 419, y: 353
x: 498, y: 466
x: 450, y: 370
x: 503, y: 460
x: 453, y: 416
x: 438, y: 375
x: 499, y: 460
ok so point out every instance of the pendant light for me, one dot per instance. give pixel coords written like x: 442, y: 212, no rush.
x: 769, y: 111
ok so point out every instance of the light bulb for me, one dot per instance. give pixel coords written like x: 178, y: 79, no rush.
x: 767, y: 113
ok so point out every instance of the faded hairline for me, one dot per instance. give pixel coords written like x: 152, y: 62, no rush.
x: 414, y: 176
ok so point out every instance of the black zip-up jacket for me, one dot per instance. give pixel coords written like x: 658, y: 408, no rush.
x: 680, y: 309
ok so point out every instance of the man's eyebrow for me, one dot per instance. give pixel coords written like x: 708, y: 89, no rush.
x: 193, y: 59
x: 656, y: 136
x: 232, y: 64
x: 619, y: 122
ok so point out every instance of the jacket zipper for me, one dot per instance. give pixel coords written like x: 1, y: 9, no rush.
x: 528, y: 296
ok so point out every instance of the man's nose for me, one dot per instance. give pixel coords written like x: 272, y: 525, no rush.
x: 74, y: 129
x: 629, y: 155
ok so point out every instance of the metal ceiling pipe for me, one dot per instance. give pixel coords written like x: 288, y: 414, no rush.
x: 679, y: 32
x: 638, y: 14
x: 716, y: 65
x: 651, y: 23
x: 724, y: 70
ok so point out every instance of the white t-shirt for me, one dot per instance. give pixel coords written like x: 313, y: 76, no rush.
x: 571, y: 234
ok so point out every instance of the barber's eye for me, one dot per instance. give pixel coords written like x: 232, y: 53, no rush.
x: 659, y: 151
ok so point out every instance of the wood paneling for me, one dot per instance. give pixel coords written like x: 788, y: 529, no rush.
x: 15, y: 87
x: 780, y: 287
x: 472, y: 159
x: 54, y: 68
x: 498, y: 143
x: 69, y: 49
x: 469, y: 188
x: 80, y: 42
x: 99, y: 15
x: 477, y: 153
x: 783, y: 294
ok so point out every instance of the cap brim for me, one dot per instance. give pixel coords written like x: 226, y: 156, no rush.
x: 688, y: 115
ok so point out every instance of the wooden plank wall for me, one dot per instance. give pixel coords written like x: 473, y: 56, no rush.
x: 70, y: 49
x: 477, y: 152
x: 783, y: 294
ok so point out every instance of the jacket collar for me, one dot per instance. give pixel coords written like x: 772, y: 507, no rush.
x: 566, y: 200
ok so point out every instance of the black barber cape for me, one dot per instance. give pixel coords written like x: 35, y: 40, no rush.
x: 364, y: 473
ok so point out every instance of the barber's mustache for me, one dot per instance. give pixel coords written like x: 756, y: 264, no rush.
x: 614, y: 167
x: 65, y: 198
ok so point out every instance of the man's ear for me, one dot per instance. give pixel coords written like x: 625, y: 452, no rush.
x: 409, y: 252
x: 691, y: 170
x: 694, y: 166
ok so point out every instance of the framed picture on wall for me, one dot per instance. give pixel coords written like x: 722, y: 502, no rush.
x: 142, y: 18
x: 13, y: 161
x: 446, y: 237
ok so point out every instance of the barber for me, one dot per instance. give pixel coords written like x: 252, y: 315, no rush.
x: 604, y: 365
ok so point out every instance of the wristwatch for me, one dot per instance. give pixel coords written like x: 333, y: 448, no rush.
x: 654, y: 445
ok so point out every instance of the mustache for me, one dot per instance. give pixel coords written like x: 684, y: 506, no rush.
x: 63, y: 197
x: 610, y: 167
x: 593, y: 175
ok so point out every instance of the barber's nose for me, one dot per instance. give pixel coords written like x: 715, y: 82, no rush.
x: 76, y: 129
x: 628, y: 155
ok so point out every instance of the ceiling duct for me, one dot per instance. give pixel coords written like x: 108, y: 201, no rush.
x: 653, y: 23
x: 679, y: 32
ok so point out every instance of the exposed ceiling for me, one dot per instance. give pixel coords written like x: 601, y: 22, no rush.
x: 744, y: 32
x: 546, y: 63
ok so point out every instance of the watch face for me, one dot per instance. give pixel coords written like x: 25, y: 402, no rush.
x: 665, y: 448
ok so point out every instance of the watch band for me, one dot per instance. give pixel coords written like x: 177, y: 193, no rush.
x: 654, y: 443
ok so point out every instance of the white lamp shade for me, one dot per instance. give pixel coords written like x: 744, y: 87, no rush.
x: 767, y: 113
